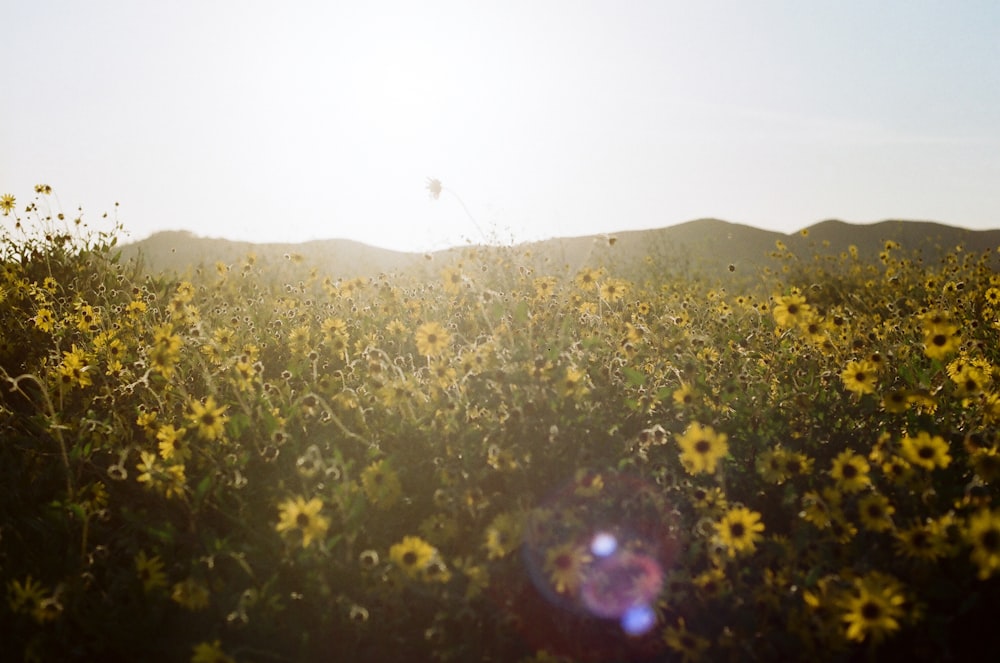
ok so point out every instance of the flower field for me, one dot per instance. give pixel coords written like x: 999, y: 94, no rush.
x: 494, y: 457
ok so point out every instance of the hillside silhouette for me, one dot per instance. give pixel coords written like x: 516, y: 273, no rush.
x: 699, y: 248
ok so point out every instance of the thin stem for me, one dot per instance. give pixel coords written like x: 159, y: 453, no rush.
x: 467, y: 213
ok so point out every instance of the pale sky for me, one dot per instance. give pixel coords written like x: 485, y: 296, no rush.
x: 296, y: 120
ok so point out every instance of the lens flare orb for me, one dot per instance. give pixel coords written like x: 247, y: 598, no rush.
x: 619, y: 583
x: 598, y: 551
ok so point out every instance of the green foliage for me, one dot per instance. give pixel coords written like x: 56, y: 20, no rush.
x: 260, y: 464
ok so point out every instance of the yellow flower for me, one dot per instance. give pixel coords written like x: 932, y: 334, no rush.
x: 850, y: 471
x: 684, y: 396
x: 207, y: 418
x: 896, y: 401
x: 439, y: 529
x: 297, y: 514
x: 925, y: 450
x: 791, y: 311
x: 453, y: 280
x: 146, y: 467
x: 503, y: 535
x: 985, y: 461
x: 739, y: 530
x: 970, y: 379
x: 941, y: 337
x: 565, y: 564
x: 710, y: 500
x: 432, y: 339
x: 190, y: 594
x: 165, y: 350
x: 31, y: 598
x: 613, y: 290
x: 87, y: 318
x: 210, y: 652
x: 171, y: 444
x: 983, y: 533
x: 477, y: 575
x: 586, y: 278
x: 150, y: 572
x: 690, y: 646
x: 74, y: 370
x: 44, y: 320
x: 574, y: 383
x: 332, y: 327
x: 435, y: 571
x: 168, y: 480
x: 701, y: 448
x: 875, y: 512
x: 412, y: 554
x: 991, y: 408
x: 7, y: 202
x: 223, y: 339
x: 859, y: 377
x: 381, y: 484
x: 919, y: 541
x: 872, y: 609
x: 300, y: 339
x: 795, y: 463
x: 777, y: 465
x: 443, y: 374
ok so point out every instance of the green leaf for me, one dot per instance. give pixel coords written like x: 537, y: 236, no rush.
x: 77, y: 511
x: 521, y: 311
x: 634, y: 377
x: 237, y: 424
x: 202, y: 489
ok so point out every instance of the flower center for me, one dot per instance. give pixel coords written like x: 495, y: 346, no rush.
x: 871, y: 611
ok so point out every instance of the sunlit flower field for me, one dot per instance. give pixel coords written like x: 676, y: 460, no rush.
x: 494, y: 456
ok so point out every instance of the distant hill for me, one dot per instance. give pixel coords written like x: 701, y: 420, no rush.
x: 180, y: 251
x: 700, y: 247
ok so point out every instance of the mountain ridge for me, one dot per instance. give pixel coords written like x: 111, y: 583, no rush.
x: 703, y: 245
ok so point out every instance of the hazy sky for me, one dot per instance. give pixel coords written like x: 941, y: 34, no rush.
x: 295, y: 120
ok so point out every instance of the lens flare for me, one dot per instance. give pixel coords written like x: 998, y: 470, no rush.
x: 638, y: 620
x: 603, y: 544
x: 621, y: 582
x: 599, y: 558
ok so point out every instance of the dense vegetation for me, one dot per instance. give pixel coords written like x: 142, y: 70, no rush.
x: 488, y: 460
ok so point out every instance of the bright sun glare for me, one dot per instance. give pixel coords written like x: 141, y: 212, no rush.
x: 314, y: 120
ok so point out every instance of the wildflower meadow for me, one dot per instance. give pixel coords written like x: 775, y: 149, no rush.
x: 494, y: 456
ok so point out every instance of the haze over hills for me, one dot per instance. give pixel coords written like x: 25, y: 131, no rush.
x: 702, y: 246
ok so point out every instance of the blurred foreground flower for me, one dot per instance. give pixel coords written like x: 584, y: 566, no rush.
x: 32, y: 598
x: 432, y: 339
x: 689, y: 645
x: 873, y: 609
x: 210, y: 652
x: 984, y: 535
x: 434, y: 186
x: 701, y: 448
x: 150, y: 572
